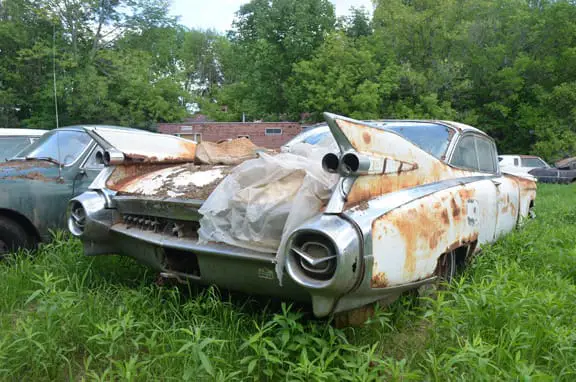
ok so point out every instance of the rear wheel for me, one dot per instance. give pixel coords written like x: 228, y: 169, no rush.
x: 13, y: 237
x: 531, y: 213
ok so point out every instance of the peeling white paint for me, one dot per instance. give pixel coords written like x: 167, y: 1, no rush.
x: 197, y: 179
x: 174, y: 181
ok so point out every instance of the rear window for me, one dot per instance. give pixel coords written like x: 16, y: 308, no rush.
x: 430, y: 137
x: 533, y: 162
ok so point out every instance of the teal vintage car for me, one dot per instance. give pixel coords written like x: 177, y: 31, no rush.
x: 37, y: 183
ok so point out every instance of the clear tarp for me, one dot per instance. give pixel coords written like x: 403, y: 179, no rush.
x: 263, y: 200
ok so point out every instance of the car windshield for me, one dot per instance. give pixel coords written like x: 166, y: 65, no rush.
x: 62, y: 147
x: 533, y: 162
x: 10, y: 146
x: 430, y: 137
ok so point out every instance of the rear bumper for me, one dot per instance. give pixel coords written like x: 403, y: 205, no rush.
x: 228, y: 267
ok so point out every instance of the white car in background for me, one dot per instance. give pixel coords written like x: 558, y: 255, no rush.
x: 12, y: 141
x: 520, y: 164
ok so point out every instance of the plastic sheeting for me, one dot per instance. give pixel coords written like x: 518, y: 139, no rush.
x: 263, y: 200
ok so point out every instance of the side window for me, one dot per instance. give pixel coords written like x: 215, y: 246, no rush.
x: 516, y: 162
x: 486, y: 155
x: 465, y: 154
x: 92, y: 162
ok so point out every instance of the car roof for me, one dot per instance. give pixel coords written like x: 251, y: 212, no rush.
x: 22, y: 132
x: 104, y: 128
x: 461, y: 127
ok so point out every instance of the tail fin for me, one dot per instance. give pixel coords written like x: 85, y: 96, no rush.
x: 367, y: 149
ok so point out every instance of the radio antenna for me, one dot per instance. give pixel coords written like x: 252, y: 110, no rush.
x: 56, y: 98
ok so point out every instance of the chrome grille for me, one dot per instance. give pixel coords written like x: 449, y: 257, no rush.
x: 170, y: 227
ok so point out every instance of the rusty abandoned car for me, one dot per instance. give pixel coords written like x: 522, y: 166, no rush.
x: 378, y: 208
x: 36, y: 185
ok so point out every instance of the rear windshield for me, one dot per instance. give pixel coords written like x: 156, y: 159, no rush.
x: 430, y: 137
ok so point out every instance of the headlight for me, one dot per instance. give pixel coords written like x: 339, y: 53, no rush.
x: 76, y: 218
x: 83, y: 210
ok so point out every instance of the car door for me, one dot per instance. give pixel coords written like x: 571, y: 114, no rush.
x: 44, y: 198
x: 481, y: 209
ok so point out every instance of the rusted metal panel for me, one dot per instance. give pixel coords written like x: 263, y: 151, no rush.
x: 231, y: 152
x: 186, y: 181
x: 527, y: 193
x: 408, y: 241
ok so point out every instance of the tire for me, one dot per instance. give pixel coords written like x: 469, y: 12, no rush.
x: 13, y: 237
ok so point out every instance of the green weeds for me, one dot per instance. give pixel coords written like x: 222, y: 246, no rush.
x: 510, y: 316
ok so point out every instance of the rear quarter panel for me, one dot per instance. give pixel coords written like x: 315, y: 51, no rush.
x: 408, y: 241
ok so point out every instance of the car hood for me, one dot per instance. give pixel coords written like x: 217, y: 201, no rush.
x: 29, y: 170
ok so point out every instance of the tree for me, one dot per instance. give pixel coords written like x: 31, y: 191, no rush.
x: 357, y: 23
x: 268, y: 38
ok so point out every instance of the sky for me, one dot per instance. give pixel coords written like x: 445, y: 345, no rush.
x: 218, y: 14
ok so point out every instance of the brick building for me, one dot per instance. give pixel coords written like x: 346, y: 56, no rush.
x: 271, y: 135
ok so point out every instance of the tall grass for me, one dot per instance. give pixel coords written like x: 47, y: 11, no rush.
x: 510, y: 316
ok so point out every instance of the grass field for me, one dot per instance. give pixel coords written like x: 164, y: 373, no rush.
x: 510, y: 316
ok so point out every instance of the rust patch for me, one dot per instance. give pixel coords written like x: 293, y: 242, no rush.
x: 467, y: 240
x: 467, y: 193
x: 363, y: 206
x: 366, y: 137
x: 371, y: 186
x: 379, y: 281
x: 25, y: 164
x: 445, y: 218
x: 525, y: 184
x: 231, y: 152
x: 409, y: 225
x: 127, y: 173
x: 33, y: 175
x: 456, y: 210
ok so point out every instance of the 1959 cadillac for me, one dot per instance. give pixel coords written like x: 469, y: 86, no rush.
x: 407, y: 202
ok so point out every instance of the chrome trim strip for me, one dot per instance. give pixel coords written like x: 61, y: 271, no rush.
x: 172, y: 208
x: 183, y: 244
